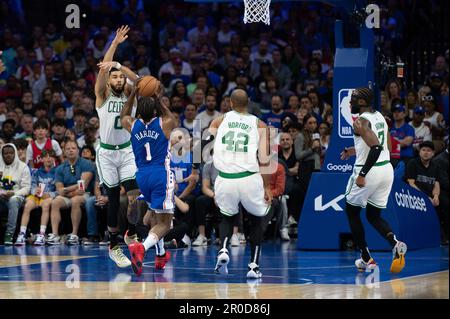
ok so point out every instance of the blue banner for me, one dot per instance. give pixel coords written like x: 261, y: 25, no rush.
x: 353, y: 67
x: 323, y: 222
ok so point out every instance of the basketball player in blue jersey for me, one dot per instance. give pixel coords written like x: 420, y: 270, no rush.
x: 150, y: 139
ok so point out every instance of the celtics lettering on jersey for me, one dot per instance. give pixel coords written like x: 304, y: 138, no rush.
x: 111, y: 130
x: 235, y: 149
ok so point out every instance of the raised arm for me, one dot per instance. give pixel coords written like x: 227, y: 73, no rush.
x: 125, y: 115
x: 129, y: 74
x: 102, y: 78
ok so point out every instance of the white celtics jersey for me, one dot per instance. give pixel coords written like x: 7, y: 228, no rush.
x: 236, y: 143
x: 111, y: 130
x: 380, y: 128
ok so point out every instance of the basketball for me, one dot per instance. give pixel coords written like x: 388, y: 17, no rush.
x: 148, y: 86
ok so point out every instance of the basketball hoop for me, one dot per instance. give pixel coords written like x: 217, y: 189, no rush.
x: 257, y: 11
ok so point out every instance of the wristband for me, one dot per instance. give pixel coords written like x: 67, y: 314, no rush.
x: 129, y: 82
x: 118, y: 66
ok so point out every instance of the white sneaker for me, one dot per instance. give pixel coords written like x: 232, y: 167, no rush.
x: 242, y: 239
x: 130, y: 239
x: 398, y: 257
x: 20, y: 241
x: 284, y: 235
x: 53, y: 239
x: 200, y: 241
x: 253, y: 271
x: 40, y: 240
x: 186, y: 240
x: 361, y: 265
x: 222, y: 261
x: 117, y: 255
x: 234, y: 242
x: 73, y: 239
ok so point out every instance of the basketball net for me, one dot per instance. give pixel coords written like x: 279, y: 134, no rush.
x: 257, y: 11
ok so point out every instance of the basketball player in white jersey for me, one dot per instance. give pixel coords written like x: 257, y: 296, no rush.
x: 115, y: 160
x: 241, y: 149
x: 371, y: 182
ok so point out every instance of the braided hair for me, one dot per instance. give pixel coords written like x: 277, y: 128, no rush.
x: 364, y: 93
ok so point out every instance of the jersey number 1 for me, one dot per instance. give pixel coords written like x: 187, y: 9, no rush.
x: 147, y: 149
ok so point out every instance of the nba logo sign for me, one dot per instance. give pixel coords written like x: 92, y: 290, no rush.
x: 345, y: 118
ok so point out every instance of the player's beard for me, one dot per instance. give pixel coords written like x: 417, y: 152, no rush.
x: 118, y: 89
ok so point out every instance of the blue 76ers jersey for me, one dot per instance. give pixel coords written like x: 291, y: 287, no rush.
x: 152, y: 156
x: 150, y: 145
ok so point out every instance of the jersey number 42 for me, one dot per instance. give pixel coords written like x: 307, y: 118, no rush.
x: 238, y: 144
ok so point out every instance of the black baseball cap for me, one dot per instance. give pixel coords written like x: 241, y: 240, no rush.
x: 426, y: 144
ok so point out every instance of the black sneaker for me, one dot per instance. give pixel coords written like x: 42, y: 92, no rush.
x: 90, y: 240
x: 105, y: 239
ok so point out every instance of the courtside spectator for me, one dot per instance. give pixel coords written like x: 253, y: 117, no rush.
x: 15, y: 185
x: 71, y: 195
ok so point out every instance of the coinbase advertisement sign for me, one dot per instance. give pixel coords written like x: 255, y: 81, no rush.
x: 323, y: 223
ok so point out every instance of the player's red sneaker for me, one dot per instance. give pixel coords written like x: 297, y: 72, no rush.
x: 160, y: 261
x: 137, y: 252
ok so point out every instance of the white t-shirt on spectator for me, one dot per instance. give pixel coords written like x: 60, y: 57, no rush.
x: 225, y: 38
x: 194, y: 33
x: 168, y: 68
x: 256, y: 56
x: 422, y: 133
x: 206, y: 119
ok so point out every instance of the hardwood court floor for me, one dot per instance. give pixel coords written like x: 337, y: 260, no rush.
x: 87, y: 272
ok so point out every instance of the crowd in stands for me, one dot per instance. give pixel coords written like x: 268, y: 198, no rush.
x: 201, y: 53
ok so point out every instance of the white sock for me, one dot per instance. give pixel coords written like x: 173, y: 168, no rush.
x: 23, y: 229
x: 43, y: 229
x: 160, y: 251
x: 150, y: 241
